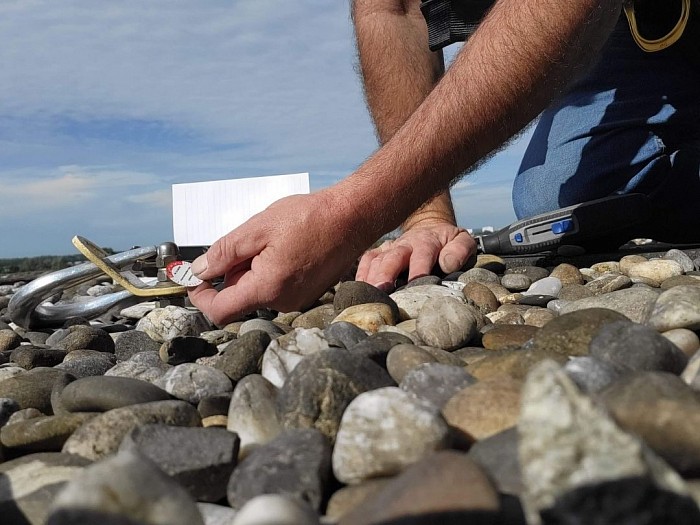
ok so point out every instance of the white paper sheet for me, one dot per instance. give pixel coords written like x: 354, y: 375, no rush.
x: 205, y: 211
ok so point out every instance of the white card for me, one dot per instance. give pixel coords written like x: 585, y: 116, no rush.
x: 205, y: 211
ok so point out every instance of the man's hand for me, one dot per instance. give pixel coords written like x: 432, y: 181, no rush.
x: 418, y: 249
x: 283, y: 258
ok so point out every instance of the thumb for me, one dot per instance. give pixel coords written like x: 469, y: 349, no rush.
x: 229, y: 251
x: 456, y: 253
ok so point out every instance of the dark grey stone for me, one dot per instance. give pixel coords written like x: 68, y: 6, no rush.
x: 42, y: 434
x: 436, y: 382
x: 535, y: 273
x: 322, y: 385
x: 627, y: 501
x: 8, y: 407
x: 536, y: 300
x: 29, y: 357
x: 86, y: 366
x: 185, y: 349
x: 214, y: 405
x: 498, y: 456
x: 134, y: 342
x: 591, y: 374
x: 102, y: 393
x: 200, y: 459
x: 243, y: 356
x: 37, y: 338
x: 33, y: 388
x: 264, y: 325
x: 296, y: 463
x: 428, y: 279
x: 351, y: 293
x: 344, y: 335
x: 637, y: 347
x: 376, y: 347
x: 82, y: 337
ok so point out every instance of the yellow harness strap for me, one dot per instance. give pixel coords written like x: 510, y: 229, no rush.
x: 651, y: 46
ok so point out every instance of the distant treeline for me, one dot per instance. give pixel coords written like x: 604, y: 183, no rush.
x: 42, y: 263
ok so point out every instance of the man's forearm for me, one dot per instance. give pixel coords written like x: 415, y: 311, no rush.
x: 520, y: 58
x: 398, y: 72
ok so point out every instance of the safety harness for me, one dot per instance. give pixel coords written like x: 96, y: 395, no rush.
x: 656, y: 25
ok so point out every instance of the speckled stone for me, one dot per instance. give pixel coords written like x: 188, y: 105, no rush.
x: 628, y: 261
x: 571, y: 333
x: 682, y: 258
x: 146, y: 366
x: 479, y: 275
x: 42, y: 434
x: 244, y: 355
x: 480, y: 295
x: 129, y: 486
x: 568, y: 442
x: 516, y: 282
x: 508, y: 337
x: 436, y: 382
x: 32, y: 389
x: 679, y: 280
x: 678, y: 307
x: 608, y: 283
x: 384, y: 431
x: 634, y: 303
x: 86, y: 365
x: 567, y: 274
x: 29, y: 357
x: 513, y: 363
x: 9, y: 339
x: 134, y: 342
x: 351, y: 293
x: 162, y: 324
x: 402, y: 358
x: 637, y: 347
x: 101, y: 436
x: 506, y: 317
x: 446, y: 323
x: 538, y: 316
x: 574, y: 292
x: 319, y: 317
x: 535, y: 273
x: 655, y: 271
x: 81, y: 337
x: 284, y: 353
x: 192, y: 382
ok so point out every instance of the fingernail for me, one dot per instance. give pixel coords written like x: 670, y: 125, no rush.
x: 450, y: 263
x: 199, y: 265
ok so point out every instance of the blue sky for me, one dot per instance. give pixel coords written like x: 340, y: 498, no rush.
x: 103, y: 106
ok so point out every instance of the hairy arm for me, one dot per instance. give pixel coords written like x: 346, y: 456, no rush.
x: 398, y: 72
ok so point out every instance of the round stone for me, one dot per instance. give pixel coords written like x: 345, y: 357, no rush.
x: 630, y: 260
x: 319, y: 317
x: 655, y: 271
x: 446, y: 323
x: 264, y: 325
x: 185, y: 349
x: 383, y: 431
x: 102, y: 393
x: 284, y: 353
x: 490, y: 262
x: 402, y: 358
x: 485, y: 408
x: 32, y: 389
x: 146, y: 366
x: 368, y: 316
x: 549, y: 286
x: 42, y: 434
x: 508, y: 337
x: 682, y: 258
x: 481, y: 297
x: 9, y: 339
x: 685, y: 339
x: 133, y: 342
x: 567, y: 274
x: 538, y: 316
x: 275, y: 509
x: 678, y: 307
x: 516, y: 282
x: 633, y: 346
x: 634, y: 303
x: 82, y: 337
x: 436, y: 382
x: 352, y: 293
x: 163, y: 324
x: 513, y: 363
x: 244, y: 355
x: 535, y: 273
x: 192, y: 382
x: 591, y: 374
x: 480, y: 275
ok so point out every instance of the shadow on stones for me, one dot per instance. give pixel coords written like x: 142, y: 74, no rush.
x: 628, y: 501
x: 88, y: 517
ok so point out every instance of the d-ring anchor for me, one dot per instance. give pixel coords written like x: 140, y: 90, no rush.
x: 29, y: 308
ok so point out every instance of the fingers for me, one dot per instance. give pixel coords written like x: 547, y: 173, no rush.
x: 229, y: 251
x: 456, y: 252
x: 365, y: 263
x: 222, y: 307
x: 386, y: 267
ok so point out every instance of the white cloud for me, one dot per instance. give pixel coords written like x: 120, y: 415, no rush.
x: 158, y: 198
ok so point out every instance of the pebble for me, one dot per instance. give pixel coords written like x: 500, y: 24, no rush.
x: 480, y: 295
x: 376, y: 347
x: 687, y: 340
x: 275, y: 509
x: 628, y: 261
x: 402, y: 358
x: 263, y: 325
x: 199, y: 459
x: 29, y: 357
x: 535, y: 273
x: 81, y: 337
x: 284, y: 353
x: 101, y: 436
x: 608, y: 283
x: 679, y: 280
x: 32, y: 389
x: 480, y: 275
x: 491, y: 262
x: 7, y: 408
x: 411, y: 300
x: 185, y: 349
x: 126, y: 488
x: 485, y: 408
x: 368, y: 317
x: 685, y: 262
x: 446, y: 323
x: 217, y: 337
x: 320, y: 388
x: 192, y: 382
x: 352, y: 293
x: 297, y: 463
x: 516, y: 282
x: 42, y: 434
x: 571, y: 333
x: 319, y: 317
x: 85, y: 366
x: 244, y: 356
x: 538, y: 316
x: 436, y: 382
x: 628, y: 345
x: 31, y: 483
x: 574, y: 292
x: 513, y: 363
x: 567, y: 274
x: 137, y: 311
x: 134, y: 342
x: 214, y: 514
x: 634, y: 303
x: 146, y: 366
x: 591, y: 374
x: 163, y: 324
x: 568, y: 443
x: 252, y: 413
x: 508, y: 336
x: 548, y: 286
x: 655, y: 271
x: 99, y: 394
x: 444, y: 487
x: 498, y: 456
x: 384, y: 431
x: 678, y: 307
x: 342, y: 334
x: 9, y: 340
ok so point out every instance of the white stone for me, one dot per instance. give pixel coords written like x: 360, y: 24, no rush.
x: 192, y: 382
x: 547, y: 286
x: 655, y: 271
x: 284, y: 353
x: 163, y: 324
x: 275, y: 509
x: 411, y: 300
